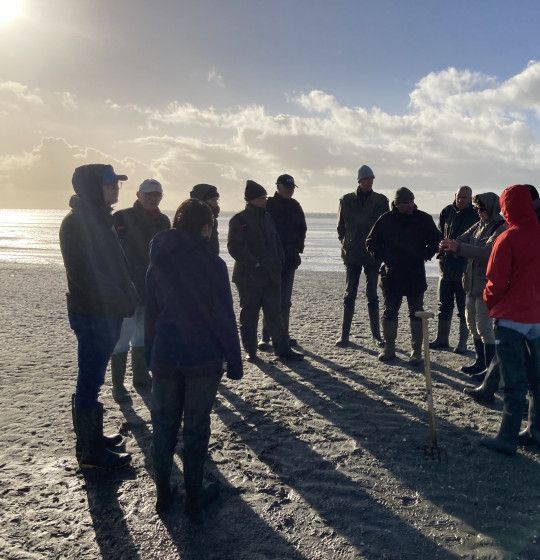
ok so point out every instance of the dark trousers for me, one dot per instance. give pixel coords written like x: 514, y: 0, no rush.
x: 351, y: 287
x: 97, y: 336
x: 287, y: 282
x: 187, y: 391
x: 253, y: 298
x: 519, y: 360
x: 448, y: 291
x: 392, y: 303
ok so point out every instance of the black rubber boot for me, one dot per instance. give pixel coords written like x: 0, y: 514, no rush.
x: 479, y: 364
x: 375, y: 324
x: 348, y: 314
x: 110, y: 441
x: 390, y: 335
x: 290, y: 355
x: 165, y: 496
x: 415, y: 357
x: 461, y: 347
x: 531, y: 434
x: 506, y: 440
x: 141, y: 377
x: 198, y: 499
x: 94, y: 454
x: 118, y: 374
x: 443, y: 333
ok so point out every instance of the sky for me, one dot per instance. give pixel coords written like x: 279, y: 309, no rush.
x: 431, y: 95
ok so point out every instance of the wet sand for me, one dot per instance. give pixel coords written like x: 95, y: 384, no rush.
x: 318, y: 460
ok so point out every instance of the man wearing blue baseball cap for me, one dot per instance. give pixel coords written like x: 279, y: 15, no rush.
x: 100, y: 294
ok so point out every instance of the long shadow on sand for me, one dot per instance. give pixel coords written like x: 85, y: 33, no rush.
x: 218, y: 532
x: 477, y: 487
x: 342, y: 503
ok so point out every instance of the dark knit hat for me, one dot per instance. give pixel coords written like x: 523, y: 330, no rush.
x: 403, y: 194
x: 204, y: 192
x: 253, y: 190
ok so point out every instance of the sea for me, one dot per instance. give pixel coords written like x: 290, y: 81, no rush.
x: 31, y: 237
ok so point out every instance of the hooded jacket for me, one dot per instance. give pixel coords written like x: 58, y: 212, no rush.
x: 513, y: 272
x: 189, y: 309
x: 403, y: 242
x: 97, y: 275
x: 452, y: 223
x: 476, y: 243
x: 136, y: 228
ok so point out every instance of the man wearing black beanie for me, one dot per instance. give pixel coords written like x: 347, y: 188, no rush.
x: 255, y: 246
x: 210, y: 195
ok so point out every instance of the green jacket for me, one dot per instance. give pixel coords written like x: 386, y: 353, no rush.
x: 357, y: 214
x: 255, y: 246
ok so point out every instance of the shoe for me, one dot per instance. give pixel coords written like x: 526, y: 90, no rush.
x: 195, y: 505
x: 342, y: 342
x: 252, y: 358
x: 443, y: 332
x: 291, y: 355
x: 120, y: 394
x: 479, y: 364
x: 165, y: 497
x: 480, y: 395
x: 264, y: 346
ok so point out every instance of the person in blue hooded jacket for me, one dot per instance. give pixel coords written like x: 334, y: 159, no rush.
x: 190, y: 330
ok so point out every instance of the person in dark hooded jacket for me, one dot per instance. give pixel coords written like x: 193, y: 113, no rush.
x: 210, y: 195
x: 403, y: 239
x: 512, y: 295
x: 190, y: 329
x: 100, y: 294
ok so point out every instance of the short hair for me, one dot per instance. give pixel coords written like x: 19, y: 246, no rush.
x: 192, y: 215
x: 533, y: 191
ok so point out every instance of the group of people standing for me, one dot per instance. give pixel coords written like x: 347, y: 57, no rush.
x: 137, y: 283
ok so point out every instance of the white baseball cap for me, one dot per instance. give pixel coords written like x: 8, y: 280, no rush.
x: 150, y: 185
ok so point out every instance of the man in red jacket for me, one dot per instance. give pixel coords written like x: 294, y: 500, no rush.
x: 512, y: 295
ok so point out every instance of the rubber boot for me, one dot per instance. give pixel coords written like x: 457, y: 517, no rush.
x: 390, y: 334
x: 479, y: 364
x: 443, y: 332
x: 506, y: 440
x: 264, y: 344
x: 110, y: 441
x: 118, y: 374
x: 286, y: 313
x: 198, y: 500
x: 345, y: 327
x: 461, y: 347
x: 141, y: 377
x: 415, y: 357
x: 94, y: 454
x: 485, y: 393
x: 375, y: 324
x: 531, y: 434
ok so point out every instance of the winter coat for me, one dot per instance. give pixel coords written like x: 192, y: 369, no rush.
x: 291, y: 226
x: 97, y: 275
x: 136, y: 228
x: 513, y: 273
x: 189, y: 317
x: 357, y: 214
x: 452, y: 223
x: 476, y: 243
x: 403, y: 242
x: 255, y: 246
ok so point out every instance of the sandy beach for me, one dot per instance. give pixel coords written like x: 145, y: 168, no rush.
x: 318, y: 460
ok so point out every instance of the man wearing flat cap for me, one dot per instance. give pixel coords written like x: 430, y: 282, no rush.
x: 255, y: 246
x: 291, y: 227
x: 210, y: 195
x: 358, y: 211
x: 136, y: 226
x: 100, y: 295
x: 403, y: 239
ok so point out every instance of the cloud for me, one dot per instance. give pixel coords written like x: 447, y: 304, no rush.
x: 462, y: 127
x: 215, y: 77
x: 21, y: 92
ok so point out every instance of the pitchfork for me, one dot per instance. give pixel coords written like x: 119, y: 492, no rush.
x: 433, y: 450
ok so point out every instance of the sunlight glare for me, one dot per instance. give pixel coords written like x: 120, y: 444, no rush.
x: 9, y: 10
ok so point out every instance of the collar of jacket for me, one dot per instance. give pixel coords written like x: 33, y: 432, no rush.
x: 255, y: 209
x: 363, y: 195
x: 149, y: 214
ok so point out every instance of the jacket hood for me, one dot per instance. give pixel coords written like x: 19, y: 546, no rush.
x: 516, y: 205
x: 174, y: 243
x: 87, y: 182
x: 490, y: 201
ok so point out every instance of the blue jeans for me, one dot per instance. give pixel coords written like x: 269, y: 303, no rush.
x: 187, y: 391
x: 96, y: 338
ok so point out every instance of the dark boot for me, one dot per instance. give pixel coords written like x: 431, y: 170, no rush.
x: 165, y: 496
x: 390, y: 335
x: 443, y: 332
x: 489, y: 355
x: 345, y: 327
x: 286, y: 313
x: 531, y: 434
x: 415, y: 357
x: 506, y: 440
x: 461, y: 347
x: 94, y: 454
x: 479, y: 364
x: 141, y: 377
x: 290, y: 355
x: 118, y: 374
x: 110, y: 441
x: 198, y: 500
x: 264, y: 344
x: 375, y: 324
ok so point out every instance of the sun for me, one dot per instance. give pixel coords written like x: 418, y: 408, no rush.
x: 9, y: 10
